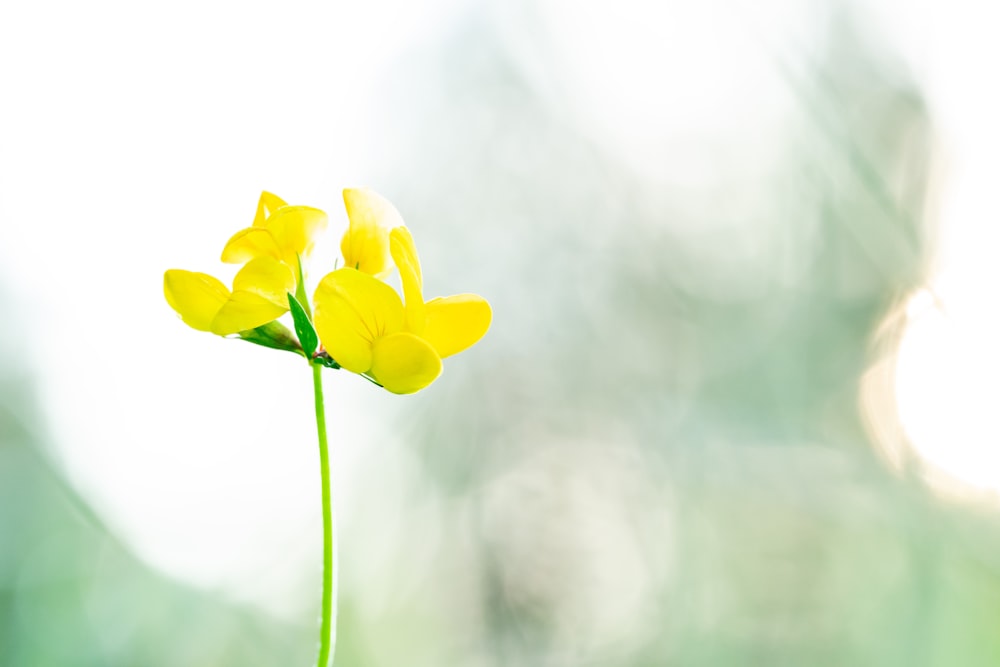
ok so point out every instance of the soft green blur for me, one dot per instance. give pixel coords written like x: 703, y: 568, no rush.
x: 657, y: 456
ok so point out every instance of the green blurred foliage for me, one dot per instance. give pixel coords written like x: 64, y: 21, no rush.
x: 72, y: 595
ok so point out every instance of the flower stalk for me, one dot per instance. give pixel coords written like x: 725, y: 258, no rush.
x: 328, y: 622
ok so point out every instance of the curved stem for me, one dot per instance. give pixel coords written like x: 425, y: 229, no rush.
x: 328, y: 626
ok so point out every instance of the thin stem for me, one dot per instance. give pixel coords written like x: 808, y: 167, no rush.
x: 328, y: 627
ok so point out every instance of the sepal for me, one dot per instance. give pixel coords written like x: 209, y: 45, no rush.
x: 324, y: 359
x: 274, y: 335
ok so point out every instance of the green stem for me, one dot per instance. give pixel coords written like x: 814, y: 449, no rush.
x: 328, y: 627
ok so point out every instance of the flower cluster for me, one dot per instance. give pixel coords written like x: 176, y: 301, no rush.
x: 361, y: 323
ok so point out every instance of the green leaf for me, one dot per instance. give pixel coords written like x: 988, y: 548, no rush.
x: 273, y: 335
x: 303, y: 326
x: 300, y: 290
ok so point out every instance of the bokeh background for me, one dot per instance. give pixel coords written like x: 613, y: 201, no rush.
x: 737, y: 407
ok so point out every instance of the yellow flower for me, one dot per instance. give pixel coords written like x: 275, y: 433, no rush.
x: 279, y: 231
x: 259, y: 295
x: 271, y: 250
x: 366, y: 328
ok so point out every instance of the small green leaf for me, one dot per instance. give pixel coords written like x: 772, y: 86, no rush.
x: 273, y: 335
x: 300, y: 290
x: 303, y: 326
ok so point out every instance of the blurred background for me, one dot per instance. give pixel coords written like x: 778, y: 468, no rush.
x: 737, y: 406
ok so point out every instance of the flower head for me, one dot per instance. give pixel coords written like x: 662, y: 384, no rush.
x: 364, y: 325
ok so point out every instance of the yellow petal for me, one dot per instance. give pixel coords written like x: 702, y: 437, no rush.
x: 245, y: 310
x: 293, y: 228
x: 249, y: 243
x: 365, y: 245
x: 404, y: 254
x: 268, y: 278
x: 404, y: 363
x: 268, y: 204
x: 197, y: 297
x: 353, y: 310
x: 455, y: 323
